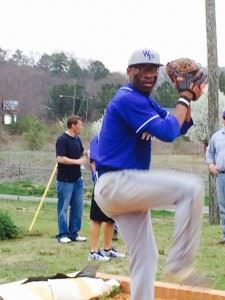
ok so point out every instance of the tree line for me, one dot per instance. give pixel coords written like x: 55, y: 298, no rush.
x: 59, y: 84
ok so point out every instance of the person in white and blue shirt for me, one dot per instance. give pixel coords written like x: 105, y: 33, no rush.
x: 215, y: 158
x: 98, y: 218
x: 126, y: 190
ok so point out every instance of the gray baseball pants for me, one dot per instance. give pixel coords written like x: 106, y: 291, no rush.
x: 127, y: 196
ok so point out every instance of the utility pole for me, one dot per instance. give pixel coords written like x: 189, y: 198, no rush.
x: 74, y: 97
x: 86, y: 114
x: 213, y: 87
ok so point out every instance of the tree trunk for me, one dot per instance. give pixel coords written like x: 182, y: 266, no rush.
x: 214, y: 216
x: 213, y: 86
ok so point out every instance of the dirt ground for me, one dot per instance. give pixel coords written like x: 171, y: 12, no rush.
x: 120, y: 296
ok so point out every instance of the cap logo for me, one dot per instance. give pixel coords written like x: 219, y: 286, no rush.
x: 148, y: 54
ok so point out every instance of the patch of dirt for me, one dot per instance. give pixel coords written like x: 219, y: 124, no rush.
x: 120, y: 296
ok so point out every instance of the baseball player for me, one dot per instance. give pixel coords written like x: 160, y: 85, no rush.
x: 126, y: 190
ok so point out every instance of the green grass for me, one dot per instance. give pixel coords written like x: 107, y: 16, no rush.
x: 38, y: 253
x: 29, y: 188
x: 25, y: 188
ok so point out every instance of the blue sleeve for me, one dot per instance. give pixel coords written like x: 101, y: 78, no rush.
x: 186, y: 125
x: 164, y: 114
x: 166, y: 130
x: 94, y: 148
x: 93, y: 177
x: 143, y: 115
x: 160, y: 111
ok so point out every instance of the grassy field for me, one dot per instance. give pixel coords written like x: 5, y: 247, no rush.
x: 38, y: 253
x: 28, y: 172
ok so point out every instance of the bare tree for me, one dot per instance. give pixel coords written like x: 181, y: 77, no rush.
x: 213, y: 87
x: 28, y: 85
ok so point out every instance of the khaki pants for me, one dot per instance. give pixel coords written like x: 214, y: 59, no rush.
x: 127, y: 196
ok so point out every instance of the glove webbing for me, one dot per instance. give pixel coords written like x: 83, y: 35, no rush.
x: 188, y: 79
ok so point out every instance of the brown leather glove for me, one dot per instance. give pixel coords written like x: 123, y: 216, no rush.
x: 187, y: 76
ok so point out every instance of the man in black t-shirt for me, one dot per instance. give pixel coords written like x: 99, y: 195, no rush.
x: 70, y: 156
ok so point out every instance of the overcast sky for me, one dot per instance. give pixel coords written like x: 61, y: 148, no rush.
x: 109, y: 30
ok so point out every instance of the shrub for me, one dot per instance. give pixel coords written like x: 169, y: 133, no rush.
x: 8, y: 229
x: 23, y: 124
x: 36, y: 136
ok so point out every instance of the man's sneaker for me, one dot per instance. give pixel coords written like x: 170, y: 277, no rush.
x: 113, y: 253
x: 97, y: 256
x: 64, y: 240
x: 80, y: 238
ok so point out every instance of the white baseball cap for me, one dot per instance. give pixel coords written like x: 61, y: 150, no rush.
x: 144, y: 56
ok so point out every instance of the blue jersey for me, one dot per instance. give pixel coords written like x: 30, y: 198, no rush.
x: 128, y: 115
x: 94, y: 148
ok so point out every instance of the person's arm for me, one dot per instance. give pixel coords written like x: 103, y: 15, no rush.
x: 188, y: 115
x: 188, y: 123
x: 70, y: 161
x: 210, y: 158
x: 183, y: 108
x: 180, y: 113
x: 93, y: 170
x: 146, y: 116
x: 92, y: 166
x: 213, y: 169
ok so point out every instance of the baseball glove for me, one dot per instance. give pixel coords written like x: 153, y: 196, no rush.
x: 187, y: 76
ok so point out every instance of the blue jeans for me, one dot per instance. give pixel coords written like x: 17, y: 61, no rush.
x: 220, y: 189
x: 70, y: 194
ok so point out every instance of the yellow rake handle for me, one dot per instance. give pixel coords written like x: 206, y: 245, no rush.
x: 43, y: 197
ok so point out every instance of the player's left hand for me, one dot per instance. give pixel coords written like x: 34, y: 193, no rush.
x: 146, y: 136
x: 188, y: 77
